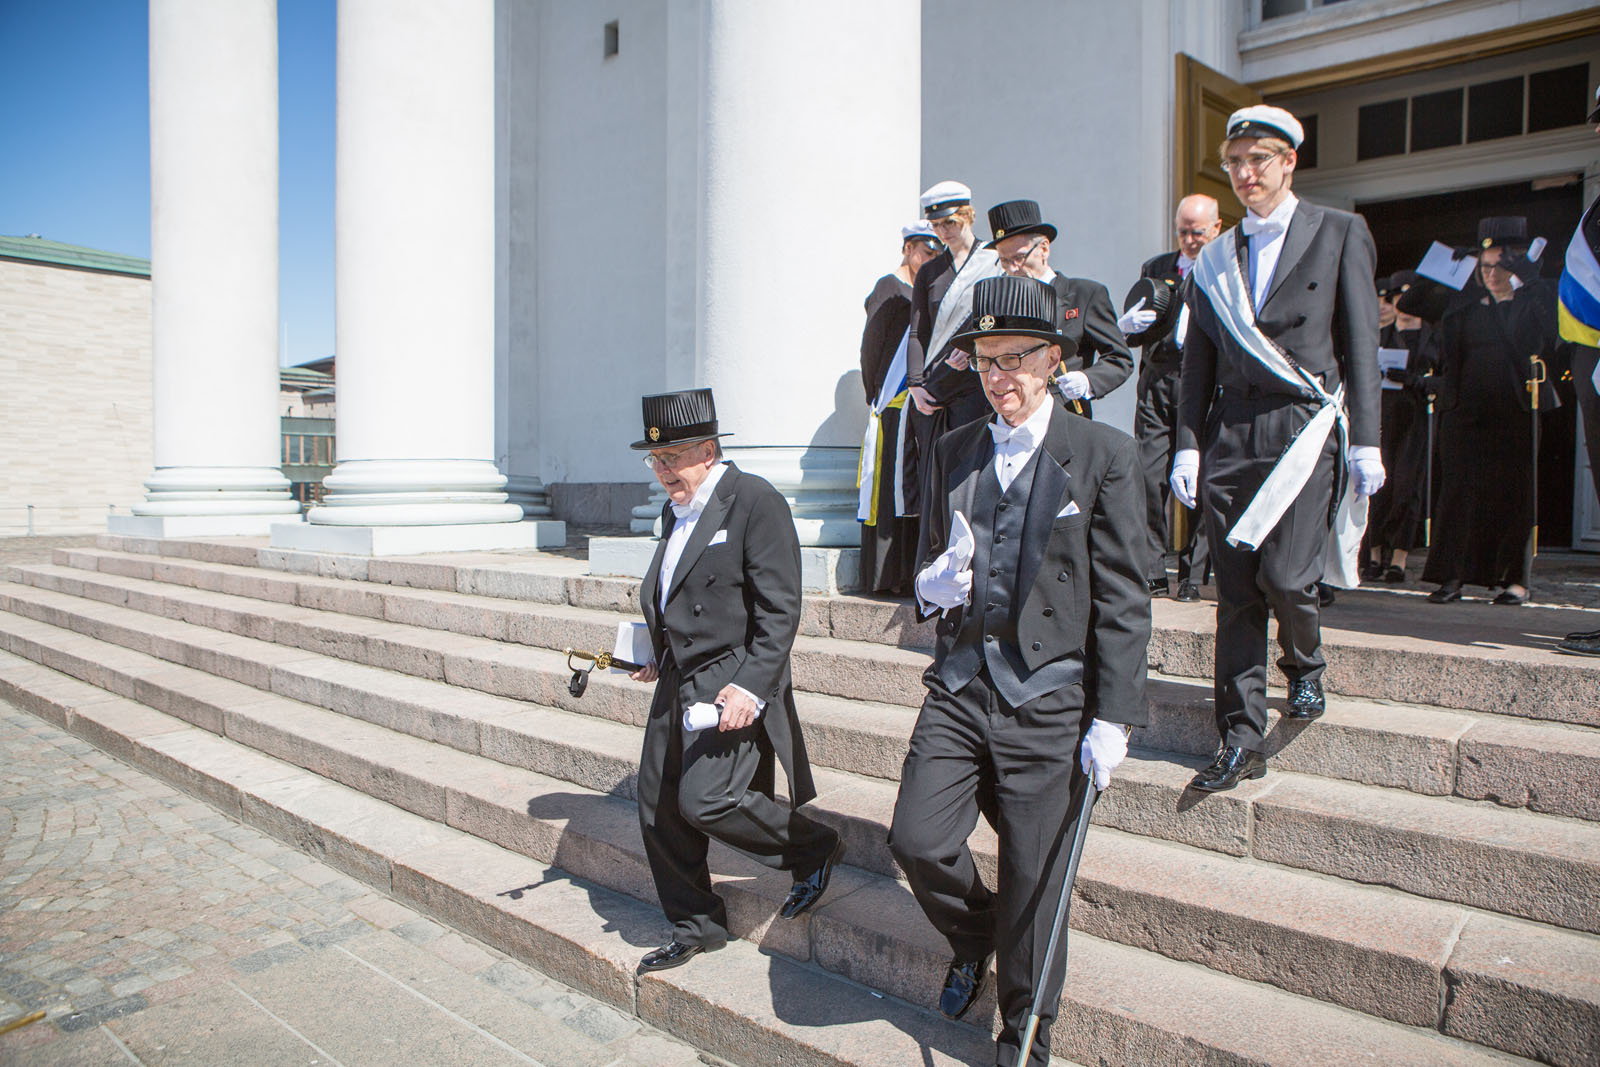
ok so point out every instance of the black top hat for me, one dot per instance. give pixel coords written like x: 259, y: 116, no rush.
x: 1502, y: 230
x: 1425, y: 298
x: 1159, y: 295
x: 680, y: 418
x: 1009, y: 306
x: 1017, y: 216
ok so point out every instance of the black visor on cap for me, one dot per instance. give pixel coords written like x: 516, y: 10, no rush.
x: 1258, y: 129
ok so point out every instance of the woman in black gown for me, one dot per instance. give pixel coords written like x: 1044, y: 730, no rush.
x: 1486, y: 502
x: 1394, y: 515
x: 889, y: 545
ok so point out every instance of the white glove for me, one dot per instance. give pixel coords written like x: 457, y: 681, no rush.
x: 1074, y: 385
x: 1104, y: 746
x: 946, y: 582
x: 1366, y: 469
x: 1136, y: 319
x: 1185, y: 480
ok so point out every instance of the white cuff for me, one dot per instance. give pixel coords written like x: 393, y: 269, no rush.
x: 1356, y: 452
x: 761, y: 705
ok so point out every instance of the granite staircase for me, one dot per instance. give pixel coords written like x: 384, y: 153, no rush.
x: 1416, y: 881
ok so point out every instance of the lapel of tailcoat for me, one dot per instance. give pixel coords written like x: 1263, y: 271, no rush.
x: 1048, y: 495
x: 709, y: 523
x: 1303, y: 226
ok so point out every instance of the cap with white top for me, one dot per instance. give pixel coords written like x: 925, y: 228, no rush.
x: 942, y: 200
x: 1262, y: 120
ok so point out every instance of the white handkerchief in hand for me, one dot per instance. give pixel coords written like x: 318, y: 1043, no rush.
x: 633, y: 645
x: 718, y: 538
x: 1070, y: 509
x: 946, y: 582
x: 701, y: 716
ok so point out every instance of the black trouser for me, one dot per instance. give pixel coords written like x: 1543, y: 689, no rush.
x: 1155, y: 425
x: 696, y: 786
x: 1280, y: 577
x: 971, y: 752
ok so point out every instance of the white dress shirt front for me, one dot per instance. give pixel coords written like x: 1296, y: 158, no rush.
x: 1266, y: 244
x: 1015, y: 445
x: 688, y: 516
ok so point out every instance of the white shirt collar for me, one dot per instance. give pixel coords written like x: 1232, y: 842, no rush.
x: 1032, y: 430
x: 1279, y: 219
x: 1184, y: 263
x: 702, y: 495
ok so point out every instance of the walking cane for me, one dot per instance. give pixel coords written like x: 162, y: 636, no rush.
x: 1057, y: 930
x: 1536, y: 379
x: 1427, y: 491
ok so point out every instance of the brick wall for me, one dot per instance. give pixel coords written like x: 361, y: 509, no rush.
x: 75, y: 430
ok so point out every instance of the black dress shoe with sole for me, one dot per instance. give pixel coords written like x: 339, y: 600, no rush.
x: 673, y: 954
x: 1187, y: 593
x: 808, y: 890
x: 1583, y: 635
x: 1232, y: 766
x: 1158, y: 587
x: 961, y: 984
x: 1514, y: 599
x: 1446, y: 593
x: 1581, y: 646
x: 1306, y: 701
x: 1394, y: 575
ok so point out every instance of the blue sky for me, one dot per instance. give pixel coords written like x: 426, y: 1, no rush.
x: 75, y: 140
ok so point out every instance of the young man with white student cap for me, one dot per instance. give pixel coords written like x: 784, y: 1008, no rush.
x: 1278, y: 438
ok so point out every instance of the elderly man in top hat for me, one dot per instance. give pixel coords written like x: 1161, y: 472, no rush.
x: 1279, y: 388
x: 1034, y: 555
x: 722, y: 602
x: 1155, y: 319
x: 1084, y: 313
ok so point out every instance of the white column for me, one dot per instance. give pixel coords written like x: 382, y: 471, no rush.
x: 415, y: 274
x: 818, y: 149
x: 214, y: 272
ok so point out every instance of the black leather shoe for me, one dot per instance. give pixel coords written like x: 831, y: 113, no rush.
x: 1579, y: 645
x: 961, y: 984
x: 673, y: 954
x: 1187, y: 593
x: 1583, y: 635
x: 1394, y: 575
x: 1159, y: 587
x: 1232, y: 766
x: 1446, y: 593
x: 1306, y: 701
x: 1508, y: 597
x: 808, y: 890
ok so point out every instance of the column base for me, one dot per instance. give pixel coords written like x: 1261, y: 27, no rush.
x: 200, y: 525
x: 823, y: 571
x: 415, y: 540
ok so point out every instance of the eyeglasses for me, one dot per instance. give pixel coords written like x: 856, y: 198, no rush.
x: 949, y: 222
x: 1196, y: 233
x: 1252, y: 163
x: 1018, y: 258
x: 1005, y: 361
x: 670, y: 460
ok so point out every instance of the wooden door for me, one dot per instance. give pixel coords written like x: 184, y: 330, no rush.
x: 1205, y: 100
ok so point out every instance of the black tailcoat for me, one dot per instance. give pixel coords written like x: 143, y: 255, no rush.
x: 1084, y: 312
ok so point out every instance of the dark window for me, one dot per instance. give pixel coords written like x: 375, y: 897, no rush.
x: 1271, y: 9
x: 613, y: 39
x: 1381, y: 130
x: 1494, y: 109
x: 1436, y: 120
x: 1558, y: 98
x: 1306, y: 155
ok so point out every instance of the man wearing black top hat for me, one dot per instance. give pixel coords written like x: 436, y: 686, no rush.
x: 1487, y: 421
x: 1155, y: 319
x: 1279, y: 387
x: 1083, y: 307
x: 1034, y: 555
x: 722, y: 601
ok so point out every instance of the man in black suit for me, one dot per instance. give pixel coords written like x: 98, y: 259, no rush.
x: 1035, y: 555
x: 722, y: 601
x: 1282, y: 347
x: 1155, y: 420
x: 1100, y: 360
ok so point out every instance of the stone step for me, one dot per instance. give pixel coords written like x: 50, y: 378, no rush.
x: 1550, y: 768
x: 1366, y: 949
x: 1549, y: 866
x: 1379, y: 646
x: 1122, y: 1005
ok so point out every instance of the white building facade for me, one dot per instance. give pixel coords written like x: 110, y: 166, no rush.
x: 658, y: 194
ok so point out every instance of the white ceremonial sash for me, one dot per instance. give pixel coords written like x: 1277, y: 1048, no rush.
x: 1217, y: 274
x: 956, y: 304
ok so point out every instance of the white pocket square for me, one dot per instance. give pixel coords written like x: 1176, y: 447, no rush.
x: 718, y: 537
x: 1070, y: 509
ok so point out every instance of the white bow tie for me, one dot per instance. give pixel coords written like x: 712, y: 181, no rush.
x: 686, y: 511
x: 1011, y: 438
x: 1253, y: 226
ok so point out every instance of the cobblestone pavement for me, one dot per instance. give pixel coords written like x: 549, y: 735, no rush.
x: 152, y: 929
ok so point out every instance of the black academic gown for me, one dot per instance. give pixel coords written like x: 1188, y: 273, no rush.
x: 1394, y: 514
x: 888, y: 548
x: 1486, y: 442
x: 731, y: 616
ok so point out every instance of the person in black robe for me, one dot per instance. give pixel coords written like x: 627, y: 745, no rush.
x: 1486, y: 436
x: 889, y: 545
x: 1394, y: 515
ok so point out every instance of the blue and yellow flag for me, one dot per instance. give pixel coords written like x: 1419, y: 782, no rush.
x: 1579, y: 310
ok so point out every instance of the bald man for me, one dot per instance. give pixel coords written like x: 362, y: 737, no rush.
x: 1156, y: 417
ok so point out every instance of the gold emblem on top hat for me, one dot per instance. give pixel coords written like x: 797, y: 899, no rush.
x: 986, y: 323
x: 1487, y: 241
x: 654, y: 433
x: 999, y: 234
